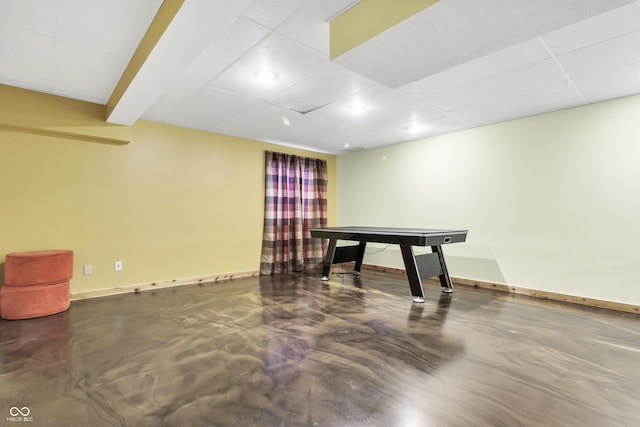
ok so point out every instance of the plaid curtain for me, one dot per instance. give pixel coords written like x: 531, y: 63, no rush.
x: 295, y: 201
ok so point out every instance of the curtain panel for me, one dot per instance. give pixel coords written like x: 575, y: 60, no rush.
x: 295, y: 201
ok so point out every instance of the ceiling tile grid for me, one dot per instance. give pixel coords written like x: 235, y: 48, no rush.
x: 310, y: 25
x: 31, y: 66
x: 510, y: 83
x: 260, y: 69
x: 310, y: 131
x: 172, y: 99
x: 262, y: 116
x: 72, y: 48
x: 366, y: 140
x: 250, y: 33
x: 493, y: 64
x: 609, y: 84
x: 608, y: 25
x: 453, y: 32
x: 206, y: 107
x: 86, y: 74
x: 31, y: 15
x: 113, y: 28
x: 241, y: 35
x: 606, y: 55
x: 288, y: 61
x: 528, y: 103
x: 328, y: 85
x: 421, y: 127
x: 272, y: 13
x: 189, y: 31
x: 375, y: 108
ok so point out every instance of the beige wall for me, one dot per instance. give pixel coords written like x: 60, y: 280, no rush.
x: 171, y: 204
x: 552, y: 202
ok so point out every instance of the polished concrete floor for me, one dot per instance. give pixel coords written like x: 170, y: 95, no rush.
x: 296, y: 351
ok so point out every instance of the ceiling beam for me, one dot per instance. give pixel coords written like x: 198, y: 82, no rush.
x: 160, y: 23
x: 181, y: 30
x: 368, y: 19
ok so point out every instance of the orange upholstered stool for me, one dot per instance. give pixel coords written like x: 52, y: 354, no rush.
x: 36, y: 284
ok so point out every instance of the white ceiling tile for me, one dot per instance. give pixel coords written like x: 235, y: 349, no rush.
x: 453, y: 32
x: 272, y: 13
x: 207, y: 107
x: 87, y: 74
x: 407, y: 132
x: 326, y: 86
x: 439, y: 121
x: 289, y: 61
x: 420, y: 128
x: 495, y: 63
x: 294, y: 124
x: 307, y: 29
x: 374, y: 108
x: 365, y: 140
x: 536, y: 101
x: 28, y: 59
x: 114, y: 27
x: 509, y: 83
x: 33, y: 15
x: 455, y: 68
x: 241, y: 35
x: 610, y: 84
x: 323, y: 133
x: 609, y: 54
x: 283, y: 125
x: 310, y: 25
x: 330, y: 9
x: 311, y: 132
x: 607, y: 25
x: 260, y: 116
x: 278, y: 135
x: 179, y: 92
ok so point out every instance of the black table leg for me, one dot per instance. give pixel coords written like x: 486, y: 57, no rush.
x: 445, y: 280
x: 328, y: 259
x: 360, y: 257
x: 412, y: 273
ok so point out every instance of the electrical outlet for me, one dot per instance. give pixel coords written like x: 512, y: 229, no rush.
x: 118, y: 265
x: 87, y: 270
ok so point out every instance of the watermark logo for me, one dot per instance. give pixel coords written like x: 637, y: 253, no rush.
x: 20, y: 414
x: 15, y: 411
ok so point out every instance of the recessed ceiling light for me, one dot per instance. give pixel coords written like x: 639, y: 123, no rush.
x: 346, y: 145
x: 357, y: 108
x: 266, y: 76
x: 285, y: 121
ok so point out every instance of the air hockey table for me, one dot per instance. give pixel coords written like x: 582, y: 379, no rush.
x: 417, y: 266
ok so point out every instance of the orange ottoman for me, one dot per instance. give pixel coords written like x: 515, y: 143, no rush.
x: 36, y: 284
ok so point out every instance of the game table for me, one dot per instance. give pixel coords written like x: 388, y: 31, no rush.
x: 417, y: 266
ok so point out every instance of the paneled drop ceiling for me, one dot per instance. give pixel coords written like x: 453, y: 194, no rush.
x: 260, y: 69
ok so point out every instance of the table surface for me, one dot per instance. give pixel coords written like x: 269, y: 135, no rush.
x: 414, y: 236
x: 388, y: 230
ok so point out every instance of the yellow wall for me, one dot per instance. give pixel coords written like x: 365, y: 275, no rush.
x: 174, y: 203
